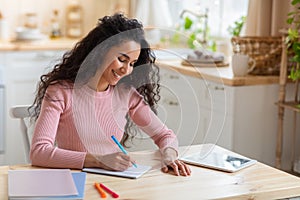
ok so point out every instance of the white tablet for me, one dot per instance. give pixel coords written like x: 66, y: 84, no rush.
x: 218, y: 160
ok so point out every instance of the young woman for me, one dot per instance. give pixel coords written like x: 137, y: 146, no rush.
x: 107, y: 82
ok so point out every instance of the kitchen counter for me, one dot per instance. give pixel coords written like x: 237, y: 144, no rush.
x: 219, y: 75
x: 222, y: 75
x: 47, y: 44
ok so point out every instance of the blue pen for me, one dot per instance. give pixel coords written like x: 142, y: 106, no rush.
x: 121, y: 147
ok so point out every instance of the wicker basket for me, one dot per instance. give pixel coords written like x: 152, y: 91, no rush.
x: 266, y: 51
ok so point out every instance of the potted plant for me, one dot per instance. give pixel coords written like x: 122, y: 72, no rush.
x: 293, y: 46
x: 236, y: 29
x: 196, y: 36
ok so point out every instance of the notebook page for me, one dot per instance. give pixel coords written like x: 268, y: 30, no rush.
x: 131, y: 172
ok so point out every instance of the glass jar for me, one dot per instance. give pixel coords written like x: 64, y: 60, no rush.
x: 30, y: 20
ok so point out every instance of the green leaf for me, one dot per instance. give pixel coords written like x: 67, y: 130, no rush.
x: 213, y: 47
x: 291, y: 13
x: 287, y: 40
x: 296, y: 47
x: 235, y: 30
x: 176, y: 38
x: 295, y: 72
x: 292, y: 74
x: 296, y: 58
x: 187, y: 23
x: 190, y: 41
x: 290, y: 20
x: 292, y: 34
x: 294, y: 2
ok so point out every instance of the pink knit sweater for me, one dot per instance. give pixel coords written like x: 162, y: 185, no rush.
x: 77, y: 121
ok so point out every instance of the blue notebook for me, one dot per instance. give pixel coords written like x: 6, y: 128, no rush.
x: 79, y: 180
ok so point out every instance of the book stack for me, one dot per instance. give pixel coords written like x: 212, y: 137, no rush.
x: 45, y: 184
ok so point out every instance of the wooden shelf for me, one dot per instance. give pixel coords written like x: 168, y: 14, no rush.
x: 283, y: 104
x: 290, y: 105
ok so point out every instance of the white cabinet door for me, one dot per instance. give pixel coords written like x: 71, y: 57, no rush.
x: 216, y: 128
x: 198, y: 111
x: 2, y: 118
x: 178, y: 109
x: 22, y: 71
x: 179, y: 106
x: 2, y: 107
x: 215, y: 101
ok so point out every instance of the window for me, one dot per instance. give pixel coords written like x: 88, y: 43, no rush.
x: 168, y: 27
x: 221, y: 13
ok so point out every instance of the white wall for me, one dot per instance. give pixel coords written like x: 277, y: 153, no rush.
x: 14, y: 11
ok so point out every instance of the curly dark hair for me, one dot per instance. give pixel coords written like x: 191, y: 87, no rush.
x: 72, y: 66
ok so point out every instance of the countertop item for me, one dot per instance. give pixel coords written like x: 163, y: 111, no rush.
x: 29, y: 34
x: 205, y: 56
x: 255, y: 182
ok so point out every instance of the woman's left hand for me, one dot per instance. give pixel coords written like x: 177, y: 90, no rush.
x: 170, y: 161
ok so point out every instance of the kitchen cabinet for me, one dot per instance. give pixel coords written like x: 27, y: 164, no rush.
x: 22, y: 70
x: 204, y: 116
x: 2, y: 109
x: 177, y: 109
x: 198, y: 111
x: 240, y: 118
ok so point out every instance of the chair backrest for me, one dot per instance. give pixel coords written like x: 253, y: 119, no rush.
x: 23, y: 113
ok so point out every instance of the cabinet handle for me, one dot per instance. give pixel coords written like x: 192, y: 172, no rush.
x: 173, y: 103
x: 216, y: 87
x: 219, y: 88
x: 42, y: 55
x: 173, y: 77
x: 45, y: 55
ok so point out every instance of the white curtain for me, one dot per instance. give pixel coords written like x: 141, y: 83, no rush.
x: 267, y: 17
x: 153, y: 13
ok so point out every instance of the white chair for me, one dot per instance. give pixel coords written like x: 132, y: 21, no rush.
x: 26, y: 126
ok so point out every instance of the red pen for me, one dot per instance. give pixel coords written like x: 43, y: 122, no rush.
x: 109, y: 191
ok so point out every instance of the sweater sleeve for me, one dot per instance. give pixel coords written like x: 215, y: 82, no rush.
x: 43, y: 150
x: 146, y: 119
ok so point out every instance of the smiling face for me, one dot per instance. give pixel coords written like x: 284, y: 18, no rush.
x: 119, y: 61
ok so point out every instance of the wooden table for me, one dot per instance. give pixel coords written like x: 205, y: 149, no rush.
x: 256, y: 182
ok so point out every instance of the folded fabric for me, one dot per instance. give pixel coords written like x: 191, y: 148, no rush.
x: 205, y: 56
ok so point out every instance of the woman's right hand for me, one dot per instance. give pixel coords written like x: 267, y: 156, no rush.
x: 115, y: 161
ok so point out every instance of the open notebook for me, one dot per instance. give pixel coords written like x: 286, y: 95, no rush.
x: 131, y: 172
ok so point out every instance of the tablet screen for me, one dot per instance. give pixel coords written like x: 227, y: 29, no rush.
x: 219, y: 161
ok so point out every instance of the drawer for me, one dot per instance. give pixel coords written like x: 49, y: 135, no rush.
x: 213, y: 96
x: 20, y: 59
x: 176, y: 83
x: 208, y: 94
x: 216, y: 128
x: 30, y: 64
